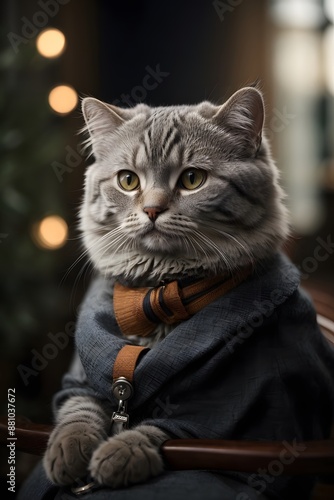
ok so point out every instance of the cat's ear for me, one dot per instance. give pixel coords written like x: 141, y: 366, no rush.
x: 102, y: 120
x: 99, y: 115
x: 243, y: 116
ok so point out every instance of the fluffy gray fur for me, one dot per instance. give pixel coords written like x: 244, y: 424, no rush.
x: 233, y: 218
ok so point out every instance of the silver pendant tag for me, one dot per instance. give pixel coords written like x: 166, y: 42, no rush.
x: 123, y: 418
x: 122, y: 390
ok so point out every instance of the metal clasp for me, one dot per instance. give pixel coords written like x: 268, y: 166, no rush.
x: 123, y: 391
x: 83, y: 489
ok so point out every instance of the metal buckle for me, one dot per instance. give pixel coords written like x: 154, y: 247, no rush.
x: 82, y: 490
x: 123, y: 391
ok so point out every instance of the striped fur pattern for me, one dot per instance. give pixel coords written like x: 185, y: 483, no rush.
x: 163, y: 229
x: 234, y: 218
x: 80, y: 427
x: 80, y: 443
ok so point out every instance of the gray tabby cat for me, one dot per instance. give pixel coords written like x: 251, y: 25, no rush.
x: 174, y: 191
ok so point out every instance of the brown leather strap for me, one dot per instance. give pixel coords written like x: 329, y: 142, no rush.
x: 139, y: 310
x: 126, y: 361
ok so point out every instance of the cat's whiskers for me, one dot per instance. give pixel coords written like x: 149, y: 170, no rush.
x: 126, y: 247
x: 92, y: 248
x: 200, y: 248
x: 193, y: 251
x: 182, y: 240
x: 209, y: 243
x: 118, y: 244
x: 87, y: 267
x: 108, y: 245
x: 83, y: 254
x: 235, y: 239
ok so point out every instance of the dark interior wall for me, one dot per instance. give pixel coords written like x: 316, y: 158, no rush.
x: 176, y: 37
x: 190, y: 41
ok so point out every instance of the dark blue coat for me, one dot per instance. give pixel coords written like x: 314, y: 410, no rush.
x: 251, y: 365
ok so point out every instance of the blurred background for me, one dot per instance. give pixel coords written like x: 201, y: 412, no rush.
x: 53, y: 52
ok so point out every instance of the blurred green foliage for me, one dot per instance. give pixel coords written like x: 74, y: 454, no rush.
x: 31, y: 137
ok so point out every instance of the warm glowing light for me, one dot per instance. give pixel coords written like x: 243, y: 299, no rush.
x: 328, y: 58
x: 298, y: 63
x: 63, y: 99
x: 51, y: 232
x: 51, y: 43
x: 298, y: 13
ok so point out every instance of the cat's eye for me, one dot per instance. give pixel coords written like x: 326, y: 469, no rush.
x: 192, y: 178
x: 129, y: 181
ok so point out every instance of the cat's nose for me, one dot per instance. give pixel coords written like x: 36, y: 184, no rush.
x: 153, y: 212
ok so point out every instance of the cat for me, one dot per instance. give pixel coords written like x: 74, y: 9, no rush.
x: 175, y: 191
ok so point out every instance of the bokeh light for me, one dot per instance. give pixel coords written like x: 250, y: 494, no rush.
x: 51, y: 43
x: 328, y: 58
x: 51, y: 232
x: 63, y: 99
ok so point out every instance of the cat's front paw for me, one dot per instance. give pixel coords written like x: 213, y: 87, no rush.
x: 69, y: 451
x: 128, y: 458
